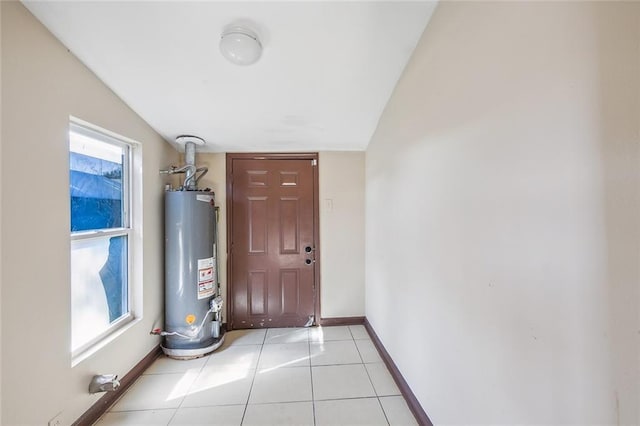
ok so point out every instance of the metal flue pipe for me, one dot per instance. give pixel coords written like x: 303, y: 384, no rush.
x: 190, y: 169
x: 190, y: 160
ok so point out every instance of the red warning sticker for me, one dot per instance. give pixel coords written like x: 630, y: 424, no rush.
x: 205, y: 283
x: 205, y: 289
x: 205, y: 274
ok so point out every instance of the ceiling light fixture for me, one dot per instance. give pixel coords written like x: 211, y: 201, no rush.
x: 240, y: 45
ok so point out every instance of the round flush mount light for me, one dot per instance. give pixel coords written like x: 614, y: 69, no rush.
x: 240, y: 45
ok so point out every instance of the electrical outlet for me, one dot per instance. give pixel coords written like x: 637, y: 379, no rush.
x: 56, y: 421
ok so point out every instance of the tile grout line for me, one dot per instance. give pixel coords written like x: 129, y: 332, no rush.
x: 313, y: 397
x: 359, y: 353
x: 255, y: 373
x: 364, y: 364
x: 384, y: 413
x: 189, y: 389
x: 349, y: 398
x: 377, y: 397
x: 371, y: 381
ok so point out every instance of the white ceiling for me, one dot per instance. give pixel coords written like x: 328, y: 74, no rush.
x: 325, y: 76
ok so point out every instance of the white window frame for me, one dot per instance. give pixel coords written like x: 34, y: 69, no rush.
x: 131, y: 229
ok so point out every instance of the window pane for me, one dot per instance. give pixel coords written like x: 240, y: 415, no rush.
x: 96, y: 184
x: 98, y: 286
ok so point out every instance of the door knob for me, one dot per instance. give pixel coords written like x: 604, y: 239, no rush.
x: 308, y: 249
x: 308, y: 261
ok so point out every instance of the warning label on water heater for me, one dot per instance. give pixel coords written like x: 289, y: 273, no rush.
x: 206, y: 287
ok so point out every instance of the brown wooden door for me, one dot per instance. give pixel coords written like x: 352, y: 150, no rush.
x: 272, y: 242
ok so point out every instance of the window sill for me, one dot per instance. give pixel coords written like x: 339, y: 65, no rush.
x: 89, y: 352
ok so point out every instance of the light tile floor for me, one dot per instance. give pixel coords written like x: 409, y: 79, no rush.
x: 293, y: 376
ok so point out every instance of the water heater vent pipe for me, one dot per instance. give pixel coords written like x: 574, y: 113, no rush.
x: 189, y: 159
x: 191, y: 180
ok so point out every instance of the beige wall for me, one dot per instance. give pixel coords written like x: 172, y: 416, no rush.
x: 341, y: 228
x: 341, y: 186
x: 42, y: 84
x: 503, y: 215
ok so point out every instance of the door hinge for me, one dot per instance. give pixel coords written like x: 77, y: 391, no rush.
x: 314, y: 162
